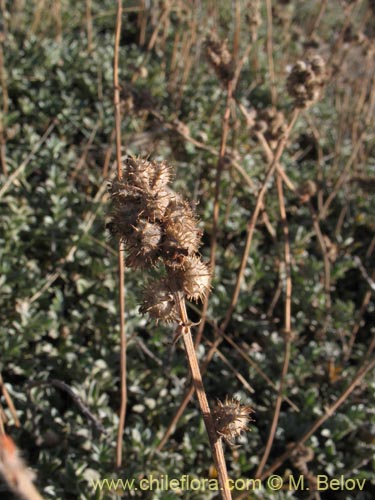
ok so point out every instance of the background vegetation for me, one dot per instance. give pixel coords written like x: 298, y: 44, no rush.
x: 58, y: 268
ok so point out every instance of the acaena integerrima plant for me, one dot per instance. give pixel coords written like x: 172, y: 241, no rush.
x: 159, y: 229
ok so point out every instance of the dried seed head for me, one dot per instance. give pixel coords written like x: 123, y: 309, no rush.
x: 155, y: 204
x: 123, y: 219
x: 159, y: 303
x: 155, y: 223
x: 272, y: 124
x: 182, y: 236
x: 252, y: 15
x: 306, y: 80
x: 231, y: 419
x: 193, y: 277
x: 306, y: 190
x: 134, y: 100
x: 220, y: 58
x: 143, y: 244
x: 145, y: 175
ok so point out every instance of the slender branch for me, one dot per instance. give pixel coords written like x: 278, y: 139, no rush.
x: 215, y: 223
x: 251, y: 224
x: 121, y: 264
x: 59, y: 384
x: 251, y: 228
x: 89, y: 26
x: 13, y: 176
x: 215, y: 441
x: 9, y: 402
x: 270, y: 53
x: 362, y: 371
x: 287, y: 327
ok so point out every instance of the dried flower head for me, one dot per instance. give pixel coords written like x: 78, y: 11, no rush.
x: 306, y: 80
x: 220, y: 58
x: 272, y: 124
x: 252, y: 15
x: 231, y: 419
x: 146, y: 175
x: 182, y: 236
x: 158, y: 227
x: 306, y: 190
x: 134, y: 100
x: 144, y: 244
x: 193, y: 277
x: 159, y: 303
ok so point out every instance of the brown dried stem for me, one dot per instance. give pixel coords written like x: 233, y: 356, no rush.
x: 271, y: 67
x: 287, y: 327
x: 89, y: 26
x: 121, y: 264
x: 361, y: 372
x: 251, y: 228
x: 9, y: 402
x: 252, y: 222
x: 18, y: 171
x: 219, y: 170
x: 4, y: 112
x: 215, y: 441
x: 343, y: 176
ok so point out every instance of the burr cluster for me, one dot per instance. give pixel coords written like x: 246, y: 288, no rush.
x: 306, y: 80
x: 231, y: 419
x: 158, y: 229
x: 220, y: 58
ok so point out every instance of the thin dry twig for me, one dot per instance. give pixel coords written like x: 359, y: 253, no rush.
x: 89, y: 26
x: 252, y: 222
x: 271, y: 66
x: 329, y: 411
x: 344, y: 174
x: 215, y: 441
x: 121, y: 265
x: 87, y: 222
x: 233, y: 369
x: 216, y: 210
x: 287, y: 327
x: 9, y: 402
x: 251, y: 228
x: 60, y: 384
x: 326, y: 261
x: 204, y: 366
x: 18, y: 171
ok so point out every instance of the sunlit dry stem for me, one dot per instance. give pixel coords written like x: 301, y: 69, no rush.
x: 215, y: 441
x: 121, y: 266
x: 219, y: 170
x: 9, y: 402
x: 287, y: 327
x: 251, y: 225
x: 363, y: 370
